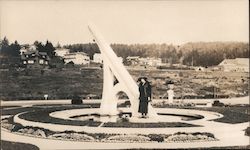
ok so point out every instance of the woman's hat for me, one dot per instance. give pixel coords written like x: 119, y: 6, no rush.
x: 139, y: 79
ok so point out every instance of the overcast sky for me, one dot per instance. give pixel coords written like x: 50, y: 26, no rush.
x: 121, y: 21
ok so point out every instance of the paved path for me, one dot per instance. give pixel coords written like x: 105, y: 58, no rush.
x: 65, y: 114
x: 240, y: 100
x: 228, y: 134
x: 229, y: 138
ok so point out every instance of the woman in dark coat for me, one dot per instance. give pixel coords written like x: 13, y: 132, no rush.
x: 145, y: 96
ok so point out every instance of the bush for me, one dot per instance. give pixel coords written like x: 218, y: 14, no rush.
x: 156, y: 137
x: 204, y: 133
x: 218, y: 103
x: 76, y: 100
x: 247, y: 131
x: 16, y: 127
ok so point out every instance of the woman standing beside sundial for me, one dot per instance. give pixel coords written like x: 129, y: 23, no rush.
x: 145, y: 96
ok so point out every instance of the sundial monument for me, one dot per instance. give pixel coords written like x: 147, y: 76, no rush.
x: 113, y: 69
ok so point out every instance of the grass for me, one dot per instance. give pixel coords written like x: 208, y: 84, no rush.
x: 57, y: 84
x: 16, y: 110
x: 62, y: 84
x: 231, y: 114
x: 43, y: 116
x: 7, y: 145
x: 147, y: 125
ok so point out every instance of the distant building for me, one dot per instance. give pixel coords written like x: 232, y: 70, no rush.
x: 23, y: 50
x: 235, y: 65
x: 97, y: 58
x: 35, y: 59
x: 133, y: 60
x: 26, y: 48
x: 78, y: 58
x: 61, y: 52
x: 149, y: 61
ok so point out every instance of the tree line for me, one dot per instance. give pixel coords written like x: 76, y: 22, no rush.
x: 192, y: 53
x: 10, y: 52
x: 8, y: 49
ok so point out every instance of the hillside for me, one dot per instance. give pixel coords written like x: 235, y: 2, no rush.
x: 87, y: 82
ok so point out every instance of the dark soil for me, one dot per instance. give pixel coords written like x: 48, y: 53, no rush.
x: 148, y: 125
x: 7, y: 145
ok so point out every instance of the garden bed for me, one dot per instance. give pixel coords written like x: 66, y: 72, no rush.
x: 231, y: 114
x: 44, y: 117
x: 103, y: 137
x: 7, y: 145
x: 13, y: 110
x: 147, y: 125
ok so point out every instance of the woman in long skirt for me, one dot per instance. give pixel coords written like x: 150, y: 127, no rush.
x: 145, y: 96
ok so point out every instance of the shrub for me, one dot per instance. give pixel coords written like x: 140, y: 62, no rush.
x: 16, y: 127
x: 218, y: 103
x: 247, y: 131
x: 76, y: 100
x: 156, y: 137
x: 204, y: 133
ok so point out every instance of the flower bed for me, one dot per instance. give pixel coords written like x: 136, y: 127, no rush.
x: 133, y: 138
x: 72, y: 136
x: 103, y: 137
x: 188, y: 137
x: 147, y: 125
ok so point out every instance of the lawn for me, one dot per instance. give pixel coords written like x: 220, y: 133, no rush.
x: 7, y: 145
x: 42, y: 115
x: 63, y: 84
x: 231, y: 114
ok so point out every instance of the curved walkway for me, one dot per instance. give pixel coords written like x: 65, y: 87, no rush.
x: 237, y: 100
x: 228, y: 134
x: 65, y: 114
x: 238, y: 139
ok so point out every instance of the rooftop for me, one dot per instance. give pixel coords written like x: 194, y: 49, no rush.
x: 236, y: 61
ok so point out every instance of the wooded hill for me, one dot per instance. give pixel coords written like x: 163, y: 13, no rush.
x: 197, y: 54
x: 192, y: 53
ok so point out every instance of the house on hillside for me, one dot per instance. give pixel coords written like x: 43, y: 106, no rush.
x: 26, y: 48
x: 61, y: 52
x: 235, y: 65
x: 150, y: 61
x: 78, y: 58
x: 97, y: 58
x: 132, y: 60
x: 35, y: 59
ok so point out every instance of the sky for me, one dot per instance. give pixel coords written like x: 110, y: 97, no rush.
x: 121, y: 21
